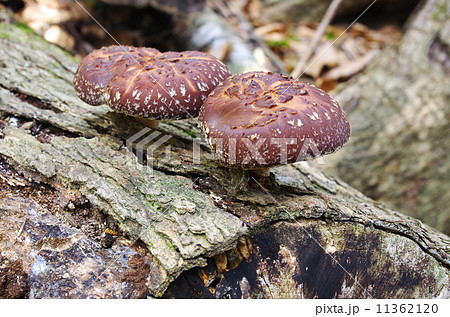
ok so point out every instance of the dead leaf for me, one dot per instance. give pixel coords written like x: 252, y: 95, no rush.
x: 348, y: 69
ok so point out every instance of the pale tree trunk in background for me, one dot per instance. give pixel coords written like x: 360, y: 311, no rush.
x: 67, y: 175
x: 293, y: 11
x: 399, y: 110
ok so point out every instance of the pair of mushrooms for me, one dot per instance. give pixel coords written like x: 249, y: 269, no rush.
x: 252, y: 120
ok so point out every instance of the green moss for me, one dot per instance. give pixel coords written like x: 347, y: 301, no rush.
x: 4, y: 34
x: 439, y: 11
x: 16, y: 33
x: 68, y: 54
x: 171, y: 246
x: 189, y: 133
x: 21, y: 33
x: 330, y: 36
x: 285, y: 42
x: 167, y: 241
x: 155, y: 205
x: 25, y: 28
x: 279, y: 44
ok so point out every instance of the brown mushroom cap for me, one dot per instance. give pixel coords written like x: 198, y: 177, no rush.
x: 144, y: 82
x: 271, y: 109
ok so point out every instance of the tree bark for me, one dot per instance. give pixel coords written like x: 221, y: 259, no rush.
x: 293, y: 11
x: 399, y: 112
x: 84, y: 215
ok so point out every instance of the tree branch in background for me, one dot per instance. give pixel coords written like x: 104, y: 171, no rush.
x: 300, y: 67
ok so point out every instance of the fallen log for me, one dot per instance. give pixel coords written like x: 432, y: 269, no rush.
x: 80, y: 212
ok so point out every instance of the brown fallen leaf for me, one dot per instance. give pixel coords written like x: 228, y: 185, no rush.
x: 348, y: 69
x: 325, y: 56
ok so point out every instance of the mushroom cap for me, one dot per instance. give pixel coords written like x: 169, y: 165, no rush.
x: 260, y: 119
x: 144, y: 82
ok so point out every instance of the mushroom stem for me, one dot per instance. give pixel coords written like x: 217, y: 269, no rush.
x: 260, y: 174
x: 149, y: 123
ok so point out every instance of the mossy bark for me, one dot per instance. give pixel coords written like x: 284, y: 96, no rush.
x: 172, y: 208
